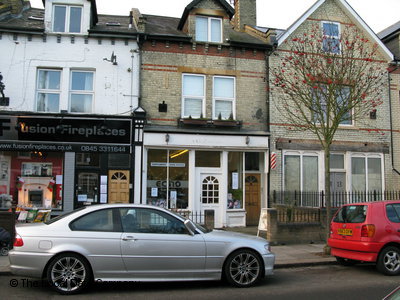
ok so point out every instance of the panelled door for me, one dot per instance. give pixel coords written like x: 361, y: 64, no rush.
x: 118, y: 186
x: 253, y: 198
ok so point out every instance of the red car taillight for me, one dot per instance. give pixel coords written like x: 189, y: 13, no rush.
x: 368, y: 230
x: 18, y: 242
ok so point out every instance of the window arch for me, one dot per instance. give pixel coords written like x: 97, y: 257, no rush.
x: 210, y: 190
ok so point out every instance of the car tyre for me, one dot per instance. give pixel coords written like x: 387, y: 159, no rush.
x: 243, y: 268
x: 389, y: 261
x: 345, y: 261
x: 69, y: 273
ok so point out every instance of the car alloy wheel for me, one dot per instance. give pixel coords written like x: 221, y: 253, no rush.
x: 68, y: 273
x: 389, y: 261
x: 243, y: 268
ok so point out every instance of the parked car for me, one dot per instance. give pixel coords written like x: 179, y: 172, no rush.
x: 367, y: 232
x: 134, y: 243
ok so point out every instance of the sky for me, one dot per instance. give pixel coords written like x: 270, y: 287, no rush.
x: 378, y: 14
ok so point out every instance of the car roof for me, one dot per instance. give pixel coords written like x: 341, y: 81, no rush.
x: 373, y: 202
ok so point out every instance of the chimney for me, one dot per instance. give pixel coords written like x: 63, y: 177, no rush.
x: 245, y: 13
x: 138, y: 20
x: 16, y: 5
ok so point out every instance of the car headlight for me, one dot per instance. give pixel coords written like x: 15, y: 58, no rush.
x: 267, y: 247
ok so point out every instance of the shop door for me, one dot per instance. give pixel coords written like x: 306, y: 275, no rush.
x: 118, y: 186
x: 87, y: 188
x: 252, y: 198
x: 208, y: 189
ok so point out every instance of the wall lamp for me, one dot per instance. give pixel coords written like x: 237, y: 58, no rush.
x: 247, y: 140
x: 167, y: 138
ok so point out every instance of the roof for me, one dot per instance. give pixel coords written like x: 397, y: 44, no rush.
x: 391, y: 30
x: 352, y: 14
x: 229, y: 10
x: 32, y: 21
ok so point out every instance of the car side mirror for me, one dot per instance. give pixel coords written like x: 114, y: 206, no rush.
x: 190, y: 227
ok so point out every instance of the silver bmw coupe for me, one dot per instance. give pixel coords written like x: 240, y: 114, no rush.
x: 126, y: 242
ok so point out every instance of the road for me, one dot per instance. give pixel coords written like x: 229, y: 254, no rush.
x: 320, y: 282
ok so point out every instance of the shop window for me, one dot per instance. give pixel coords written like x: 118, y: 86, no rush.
x: 208, y: 159
x: 81, y: 91
x: 167, y: 178
x: 48, y: 89
x: 67, y: 18
x: 31, y: 180
x: 210, y: 190
x: 208, y: 29
x: 87, y: 187
x: 193, y: 96
x: 235, y: 180
x: 224, y: 98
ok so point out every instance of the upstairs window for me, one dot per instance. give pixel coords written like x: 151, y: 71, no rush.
x: 67, y: 18
x: 48, y: 90
x: 208, y: 29
x: 224, y: 97
x: 193, y: 94
x: 331, y: 41
x: 81, y: 91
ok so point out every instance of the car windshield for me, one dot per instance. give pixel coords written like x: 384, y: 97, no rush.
x: 63, y: 215
x: 351, y: 214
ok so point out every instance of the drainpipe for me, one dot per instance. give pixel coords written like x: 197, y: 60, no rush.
x: 396, y: 63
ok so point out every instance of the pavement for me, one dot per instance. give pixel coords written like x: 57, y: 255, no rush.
x: 286, y: 256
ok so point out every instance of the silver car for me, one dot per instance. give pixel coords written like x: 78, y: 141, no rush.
x: 126, y: 242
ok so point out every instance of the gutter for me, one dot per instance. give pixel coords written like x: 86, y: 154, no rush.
x: 397, y: 66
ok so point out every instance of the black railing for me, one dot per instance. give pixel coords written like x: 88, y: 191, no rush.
x: 318, y: 199
x: 195, y: 216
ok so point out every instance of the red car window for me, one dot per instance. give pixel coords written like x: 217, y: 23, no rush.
x: 351, y: 214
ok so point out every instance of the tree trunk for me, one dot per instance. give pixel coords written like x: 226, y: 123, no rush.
x: 327, y: 195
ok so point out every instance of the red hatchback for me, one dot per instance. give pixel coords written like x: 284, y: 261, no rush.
x: 368, y: 232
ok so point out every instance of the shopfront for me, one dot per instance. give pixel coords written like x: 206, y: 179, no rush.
x: 225, y: 174
x: 61, y: 162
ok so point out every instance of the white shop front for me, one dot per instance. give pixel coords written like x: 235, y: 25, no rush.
x: 223, y: 173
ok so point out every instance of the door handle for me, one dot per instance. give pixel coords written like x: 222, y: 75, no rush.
x: 129, y: 238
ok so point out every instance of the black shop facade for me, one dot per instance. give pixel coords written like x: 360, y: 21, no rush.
x: 62, y: 162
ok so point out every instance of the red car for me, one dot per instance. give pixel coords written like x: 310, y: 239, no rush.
x: 367, y: 232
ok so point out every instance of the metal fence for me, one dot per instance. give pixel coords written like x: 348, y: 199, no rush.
x: 318, y: 199
x: 196, y: 216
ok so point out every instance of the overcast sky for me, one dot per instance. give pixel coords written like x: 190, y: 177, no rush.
x: 378, y: 14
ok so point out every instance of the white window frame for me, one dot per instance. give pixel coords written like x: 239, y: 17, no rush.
x: 209, y: 27
x: 47, y: 91
x: 301, y: 154
x: 67, y: 17
x: 202, y: 98
x: 366, y: 156
x: 82, y: 92
x: 233, y: 100
x: 331, y: 36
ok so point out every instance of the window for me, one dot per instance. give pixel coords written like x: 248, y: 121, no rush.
x: 331, y: 41
x: 208, y: 29
x: 67, y: 18
x: 193, y: 94
x: 48, y: 90
x: 351, y: 214
x: 339, y: 108
x: 366, y: 173
x: 301, y: 172
x: 393, y: 212
x: 224, y: 97
x: 210, y: 190
x: 101, y: 220
x: 81, y: 91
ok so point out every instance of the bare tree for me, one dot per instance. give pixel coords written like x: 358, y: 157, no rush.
x: 324, y: 80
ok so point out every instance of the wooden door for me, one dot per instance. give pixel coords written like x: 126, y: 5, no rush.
x: 118, y: 187
x: 252, y: 198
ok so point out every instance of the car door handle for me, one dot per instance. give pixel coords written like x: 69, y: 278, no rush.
x: 129, y: 238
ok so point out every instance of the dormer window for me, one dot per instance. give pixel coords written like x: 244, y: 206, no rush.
x: 208, y: 29
x: 67, y: 18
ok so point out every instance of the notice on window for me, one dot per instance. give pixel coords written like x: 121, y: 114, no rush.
x: 82, y: 198
x: 103, y: 188
x: 154, y: 192
x: 103, y: 180
x: 103, y: 198
x: 59, y: 179
x: 235, y: 180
